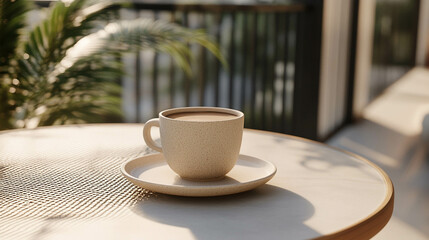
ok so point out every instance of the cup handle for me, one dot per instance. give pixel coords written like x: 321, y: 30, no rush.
x: 146, y: 134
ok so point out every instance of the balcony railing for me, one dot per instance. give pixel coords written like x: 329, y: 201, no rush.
x: 273, y: 52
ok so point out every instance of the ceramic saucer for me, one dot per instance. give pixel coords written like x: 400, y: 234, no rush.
x: 152, y: 172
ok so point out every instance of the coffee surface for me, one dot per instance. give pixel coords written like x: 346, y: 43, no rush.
x: 202, y: 116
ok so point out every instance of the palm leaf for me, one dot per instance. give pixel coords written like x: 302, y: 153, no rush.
x: 47, y: 45
x: 68, y: 76
x: 140, y: 34
x: 64, y: 26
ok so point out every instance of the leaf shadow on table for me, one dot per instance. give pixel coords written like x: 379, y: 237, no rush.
x: 267, y: 212
x: 317, y: 157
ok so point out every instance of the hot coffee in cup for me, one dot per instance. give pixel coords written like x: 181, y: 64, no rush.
x: 198, y: 143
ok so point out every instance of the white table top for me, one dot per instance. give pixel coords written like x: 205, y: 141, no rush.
x: 64, y: 182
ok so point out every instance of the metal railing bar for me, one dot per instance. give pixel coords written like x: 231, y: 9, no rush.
x: 155, y: 77
x: 203, y: 68
x: 137, y: 82
x: 172, y: 70
x: 285, y: 77
x: 187, y: 80
x: 254, y: 45
x: 269, y: 93
x: 244, y: 59
x: 352, y: 62
x: 137, y: 86
x: 231, y: 61
x: 172, y: 82
x: 294, y: 21
x: 274, y: 76
x: 218, y: 20
x: 264, y: 75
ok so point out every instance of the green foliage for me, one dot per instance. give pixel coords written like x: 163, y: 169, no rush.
x: 12, y: 20
x: 68, y: 68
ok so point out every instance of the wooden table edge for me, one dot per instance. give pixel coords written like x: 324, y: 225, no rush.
x: 373, y: 223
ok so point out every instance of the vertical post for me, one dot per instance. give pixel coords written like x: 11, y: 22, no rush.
x: 137, y: 86
x: 187, y: 80
x: 254, y: 64
x: 244, y: 59
x: 137, y: 65
x: 307, y: 71
x: 284, y: 124
x: 155, y: 78
x: 352, y: 61
x: 274, y: 72
x: 202, y: 73
x: 172, y: 78
x: 218, y: 22
x: 231, y: 61
x: 264, y: 76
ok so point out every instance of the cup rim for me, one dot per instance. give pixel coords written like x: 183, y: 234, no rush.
x: 164, y: 114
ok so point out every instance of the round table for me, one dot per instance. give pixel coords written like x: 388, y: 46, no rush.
x: 65, y: 183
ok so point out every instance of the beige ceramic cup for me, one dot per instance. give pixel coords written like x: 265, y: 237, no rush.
x: 198, y: 150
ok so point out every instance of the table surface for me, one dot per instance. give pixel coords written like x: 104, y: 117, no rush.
x: 64, y: 182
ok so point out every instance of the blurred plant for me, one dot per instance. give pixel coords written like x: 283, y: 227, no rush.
x: 66, y: 69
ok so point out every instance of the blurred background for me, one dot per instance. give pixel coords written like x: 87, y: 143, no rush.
x: 306, y: 68
x: 351, y: 73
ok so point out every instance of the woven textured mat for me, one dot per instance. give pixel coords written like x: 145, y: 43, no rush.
x: 69, y: 172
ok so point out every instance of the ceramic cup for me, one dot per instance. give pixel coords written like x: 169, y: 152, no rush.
x: 198, y: 150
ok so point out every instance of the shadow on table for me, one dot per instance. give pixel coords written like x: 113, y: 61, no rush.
x: 267, y: 212
x: 319, y: 158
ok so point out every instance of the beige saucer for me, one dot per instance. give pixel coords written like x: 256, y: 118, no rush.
x: 153, y: 173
